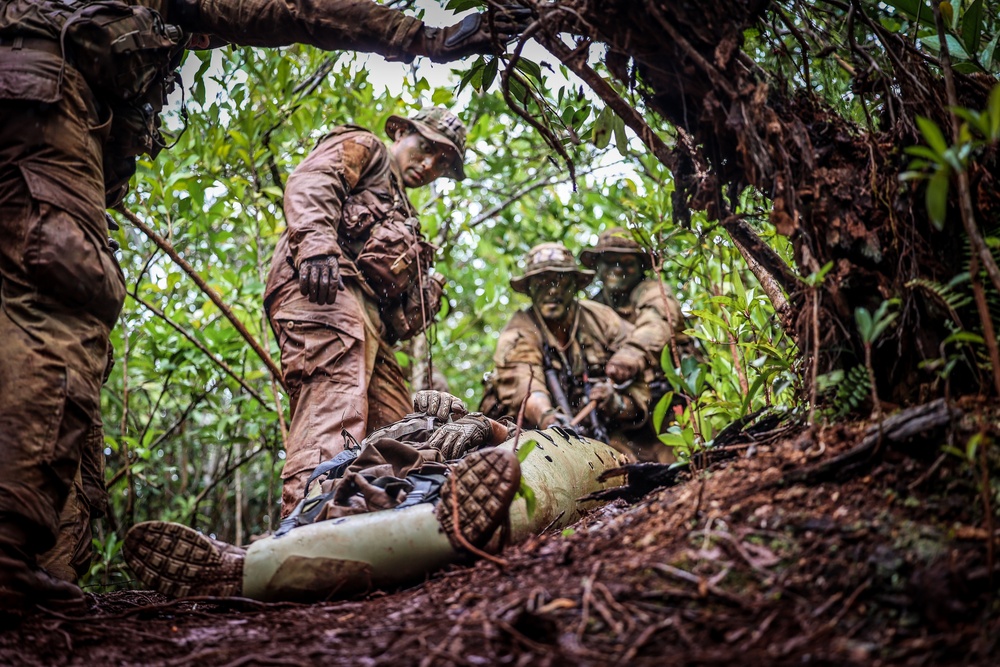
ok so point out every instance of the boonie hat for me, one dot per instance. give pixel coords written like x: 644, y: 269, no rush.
x: 550, y: 258
x: 614, y: 241
x: 440, y: 126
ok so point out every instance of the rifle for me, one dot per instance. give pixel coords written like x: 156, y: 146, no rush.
x: 597, y: 427
x: 553, y: 382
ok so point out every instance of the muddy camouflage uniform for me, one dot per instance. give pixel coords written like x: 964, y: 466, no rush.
x: 519, y: 363
x: 651, y: 306
x: 338, y: 362
x: 62, y: 289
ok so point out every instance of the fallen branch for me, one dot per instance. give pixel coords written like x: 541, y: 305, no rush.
x: 897, y: 429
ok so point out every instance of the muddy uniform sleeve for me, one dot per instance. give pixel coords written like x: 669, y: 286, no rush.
x: 652, y: 325
x: 354, y: 25
x: 518, y: 361
x: 614, y: 334
x: 316, y: 190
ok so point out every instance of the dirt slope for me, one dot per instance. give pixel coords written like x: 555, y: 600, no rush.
x: 732, y: 567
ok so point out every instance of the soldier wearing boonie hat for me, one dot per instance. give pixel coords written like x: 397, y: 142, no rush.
x: 349, y: 278
x: 580, y: 337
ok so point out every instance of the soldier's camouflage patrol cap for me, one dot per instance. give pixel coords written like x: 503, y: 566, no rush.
x: 550, y: 258
x: 440, y: 126
x: 615, y: 241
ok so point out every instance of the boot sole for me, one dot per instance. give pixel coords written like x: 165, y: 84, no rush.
x: 180, y: 562
x: 484, y: 484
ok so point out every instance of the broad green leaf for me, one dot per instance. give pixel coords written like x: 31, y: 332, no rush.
x: 661, y: 410
x: 989, y: 51
x: 932, y: 134
x: 914, y: 9
x: 603, y: 128
x: 955, y: 48
x: 972, y: 25
x: 490, y: 72
x: 937, y: 198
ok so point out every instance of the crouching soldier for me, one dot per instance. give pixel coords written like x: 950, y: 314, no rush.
x: 624, y: 273
x: 552, y: 355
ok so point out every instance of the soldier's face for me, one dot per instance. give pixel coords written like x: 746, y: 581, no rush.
x: 420, y: 160
x: 552, y: 294
x: 619, y: 273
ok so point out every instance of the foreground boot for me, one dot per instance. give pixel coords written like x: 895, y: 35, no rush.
x: 180, y: 562
x: 25, y: 589
x: 481, y: 488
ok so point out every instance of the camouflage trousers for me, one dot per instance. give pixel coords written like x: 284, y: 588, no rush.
x: 61, y: 291
x: 341, y: 375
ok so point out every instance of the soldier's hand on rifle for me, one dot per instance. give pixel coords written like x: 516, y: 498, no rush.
x: 453, y: 440
x: 439, y: 404
x: 319, y: 278
x: 625, y: 364
x: 472, y: 34
x: 609, y: 401
x: 554, y: 417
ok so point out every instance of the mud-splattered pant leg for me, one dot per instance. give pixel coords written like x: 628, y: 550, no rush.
x: 61, y: 292
x: 340, y: 375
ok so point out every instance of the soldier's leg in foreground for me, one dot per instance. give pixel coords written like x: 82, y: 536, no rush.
x: 179, y: 561
x: 73, y: 553
x: 62, y: 291
x: 324, y: 367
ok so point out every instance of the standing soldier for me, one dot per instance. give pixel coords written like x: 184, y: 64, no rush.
x: 81, y: 87
x: 551, y: 356
x: 349, y: 278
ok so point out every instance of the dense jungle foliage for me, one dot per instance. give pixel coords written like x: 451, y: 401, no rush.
x: 194, y: 418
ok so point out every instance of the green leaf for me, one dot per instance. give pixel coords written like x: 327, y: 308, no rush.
x: 621, y: 139
x: 937, y: 198
x: 603, y: 128
x: 987, y: 56
x: 972, y: 26
x: 490, y: 73
x: 932, y: 133
x: 864, y: 321
x: 955, y: 47
x: 660, y: 411
x: 994, y: 110
x: 924, y: 152
x: 530, y: 69
x: 914, y: 9
x: 525, y: 448
x: 530, y: 501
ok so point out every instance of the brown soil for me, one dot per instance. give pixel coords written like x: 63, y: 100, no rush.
x: 732, y: 567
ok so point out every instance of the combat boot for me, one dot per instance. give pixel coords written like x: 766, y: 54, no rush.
x: 25, y: 588
x: 480, y: 488
x: 179, y: 561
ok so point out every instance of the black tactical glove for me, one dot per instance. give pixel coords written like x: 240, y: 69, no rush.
x: 439, y: 404
x: 454, y: 440
x: 471, y: 35
x: 319, y: 279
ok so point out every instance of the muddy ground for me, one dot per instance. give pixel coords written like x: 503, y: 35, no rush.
x: 733, y: 566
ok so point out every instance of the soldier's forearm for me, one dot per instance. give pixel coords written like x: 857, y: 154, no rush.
x: 355, y: 25
x: 535, y: 407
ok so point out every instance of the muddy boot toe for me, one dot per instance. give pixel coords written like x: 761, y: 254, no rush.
x: 481, y: 488
x: 180, y: 562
